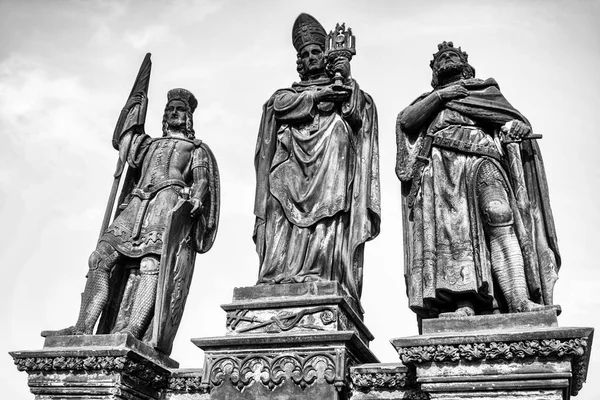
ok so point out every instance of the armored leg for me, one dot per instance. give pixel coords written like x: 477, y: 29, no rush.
x: 145, y: 298
x: 95, y: 295
x: 507, y: 259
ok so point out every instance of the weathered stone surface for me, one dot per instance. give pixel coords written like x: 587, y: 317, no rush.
x: 281, y: 366
x: 95, y: 367
x: 301, y: 307
x: 186, y: 384
x: 305, y: 289
x: 544, y: 318
x: 549, y: 394
x: 390, y: 381
x: 542, y: 362
x: 167, y: 211
x: 317, y: 198
x: 479, y: 236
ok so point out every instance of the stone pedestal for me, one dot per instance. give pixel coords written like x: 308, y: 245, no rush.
x: 289, y: 341
x: 95, y: 367
x: 186, y: 384
x: 506, y: 356
x: 389, y: 381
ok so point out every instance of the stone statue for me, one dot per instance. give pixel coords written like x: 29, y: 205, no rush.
x: 317, y: 169
x: 143, y: 263
x: 479, y: 235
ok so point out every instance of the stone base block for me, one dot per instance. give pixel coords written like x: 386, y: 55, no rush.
x: 297, y: 307
x: 291, y: 366
x: 498, y: 357
x: 95, y: 367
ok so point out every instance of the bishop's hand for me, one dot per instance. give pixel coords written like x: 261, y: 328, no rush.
x: 341, y: 65
x: 328, y: 93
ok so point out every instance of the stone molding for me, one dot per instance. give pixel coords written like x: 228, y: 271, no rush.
x: 187, y: 384
x: 142, y: 372
x: 575, y: 348
x: 271, y: 370
x: 494, y: 350
x: 365, y: 382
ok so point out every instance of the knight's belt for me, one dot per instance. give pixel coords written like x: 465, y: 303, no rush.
x: 466, y: 139
x: 146, y: 193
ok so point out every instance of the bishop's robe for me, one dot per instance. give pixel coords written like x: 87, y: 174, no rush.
x: 317, y: 196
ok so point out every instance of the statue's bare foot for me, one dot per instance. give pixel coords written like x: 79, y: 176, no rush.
x: 71, y: 330
x: 460, y: 312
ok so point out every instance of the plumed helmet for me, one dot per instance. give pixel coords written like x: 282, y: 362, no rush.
x: 307, y: 30
x: 184, y: 95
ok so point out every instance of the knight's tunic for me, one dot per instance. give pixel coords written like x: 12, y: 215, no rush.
x: 165, y: 177
x: 446, y: 253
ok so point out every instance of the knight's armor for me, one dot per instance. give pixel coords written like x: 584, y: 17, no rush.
x: 166, y: 177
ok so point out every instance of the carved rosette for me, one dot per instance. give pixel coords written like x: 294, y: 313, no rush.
x: 143, y: 373
x: 272, y: 370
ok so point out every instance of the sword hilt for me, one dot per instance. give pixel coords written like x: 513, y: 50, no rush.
x: 528, y: 137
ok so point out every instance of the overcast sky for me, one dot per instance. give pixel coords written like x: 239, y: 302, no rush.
x: 66, y: 68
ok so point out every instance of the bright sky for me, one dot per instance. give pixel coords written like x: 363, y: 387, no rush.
x: 66, y: 68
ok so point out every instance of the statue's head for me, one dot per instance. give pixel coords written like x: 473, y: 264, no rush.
x: 450, y: 61
x: 308, y: 37
x: 181, y: 104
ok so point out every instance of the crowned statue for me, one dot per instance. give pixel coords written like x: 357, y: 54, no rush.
x: 140, y: 272
x: 317, y: 169
x: 479, y: 236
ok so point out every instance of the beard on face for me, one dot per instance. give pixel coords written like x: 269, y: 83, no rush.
x: 450, y: 68
x: 176, y: 123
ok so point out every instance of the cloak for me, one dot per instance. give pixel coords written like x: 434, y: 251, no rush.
x: 364, y: 198
x: 523, y: 165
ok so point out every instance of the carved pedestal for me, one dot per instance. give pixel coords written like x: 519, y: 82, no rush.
x: 95, y: 367
x: 384, y: 381
x: 186, y: 384
x: 293, y: 341
x: 508, y: 356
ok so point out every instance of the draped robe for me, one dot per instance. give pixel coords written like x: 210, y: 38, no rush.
x: 317, y: 196
x: 446, y: 252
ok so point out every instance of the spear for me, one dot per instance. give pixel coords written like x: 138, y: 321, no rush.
x: 132, y: 118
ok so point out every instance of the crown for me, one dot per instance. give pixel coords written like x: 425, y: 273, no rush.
x: 184, y: 95
x: 448, y: 46
x: 307, y: 30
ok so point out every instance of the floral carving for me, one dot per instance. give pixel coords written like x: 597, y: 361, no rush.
x: 494, y: 350
x: 379, y: 380
x: 575, y: 348
x: 189, y: 384
x: 272, y: 371
x: 140, y: 371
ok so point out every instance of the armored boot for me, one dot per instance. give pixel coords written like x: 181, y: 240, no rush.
x: 145, y: 298
x: 95, y: 294
x: 508, y: 266
x: 509, y: 271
